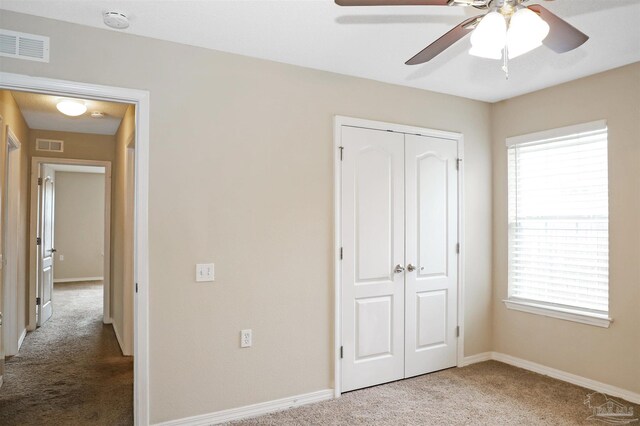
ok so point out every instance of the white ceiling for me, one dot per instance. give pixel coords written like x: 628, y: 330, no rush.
x: 40, y: 112
x: 370, y: 42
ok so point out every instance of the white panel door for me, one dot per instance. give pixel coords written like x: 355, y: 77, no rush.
x: 373, y: 244
x: 432, y: 260
x: 46, y: 248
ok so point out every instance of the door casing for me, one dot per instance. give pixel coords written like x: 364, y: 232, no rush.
x: 36, y: 162
x: 338, y: 122
x: 12, y: 336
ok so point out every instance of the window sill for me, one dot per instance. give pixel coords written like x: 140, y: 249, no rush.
x: 560, y: 313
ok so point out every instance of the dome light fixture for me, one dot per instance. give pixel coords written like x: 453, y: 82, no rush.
x: 71, y: 107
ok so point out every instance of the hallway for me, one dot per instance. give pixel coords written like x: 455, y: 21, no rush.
x: 69, y: 371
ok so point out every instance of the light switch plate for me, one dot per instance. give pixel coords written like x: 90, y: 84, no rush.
x: 204, y: 272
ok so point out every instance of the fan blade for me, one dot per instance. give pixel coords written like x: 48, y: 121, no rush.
x: 444, y: 42
x: 392, y: 2
x: 562, y: 36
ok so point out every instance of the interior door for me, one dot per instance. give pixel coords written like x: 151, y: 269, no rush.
x: 46, y: 247
x: 431, y: 254
x: 373, y: 250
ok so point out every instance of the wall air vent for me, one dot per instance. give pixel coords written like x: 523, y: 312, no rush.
x: 24, y: 46
x: 49, y: 145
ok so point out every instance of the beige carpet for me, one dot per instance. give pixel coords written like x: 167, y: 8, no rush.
x: 489, y: 393
x: 70, y: 371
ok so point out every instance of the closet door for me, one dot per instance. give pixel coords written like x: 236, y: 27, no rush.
x: 373, y: 257
x: 431, y: 255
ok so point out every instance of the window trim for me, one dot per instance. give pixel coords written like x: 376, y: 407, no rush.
x: 568, y: 313
x: 563, y: 313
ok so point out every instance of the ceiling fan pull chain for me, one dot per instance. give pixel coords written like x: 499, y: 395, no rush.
x: 505, y: 66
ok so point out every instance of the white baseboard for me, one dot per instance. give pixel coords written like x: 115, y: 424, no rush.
x: 21, y: 338
x: 252, y: 410
x: 556, y: 374
x: 118, y: 338
x: 473, y: 359
x: 74, y: 280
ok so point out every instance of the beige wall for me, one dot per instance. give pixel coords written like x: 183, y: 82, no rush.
x: 79, y: 225
x: 122, y: 290
x: 607, y: 355
x: 13, y: 118
x: 241, y: 174
x: 81, y: 146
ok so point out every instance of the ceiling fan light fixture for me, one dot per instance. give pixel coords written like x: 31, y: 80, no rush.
x: 526, y: 32
x: 71, y: 107
x: 489, y: 37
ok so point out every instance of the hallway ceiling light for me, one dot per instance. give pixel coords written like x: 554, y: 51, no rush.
x: 71, y: 107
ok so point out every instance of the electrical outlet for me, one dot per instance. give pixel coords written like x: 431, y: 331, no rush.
x: 245, y: 338
x: 204, y: 272
x: 61, y: 257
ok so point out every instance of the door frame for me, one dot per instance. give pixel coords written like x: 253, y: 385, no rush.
x: 10, y: 250
x: 338, y: 122
x: 36, y: 162
x: 139, y: 98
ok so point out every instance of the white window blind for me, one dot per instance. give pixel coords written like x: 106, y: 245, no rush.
x: 559, y: 218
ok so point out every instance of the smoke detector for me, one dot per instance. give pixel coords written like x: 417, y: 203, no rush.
x: 97, y: 114
x: 115, y: 19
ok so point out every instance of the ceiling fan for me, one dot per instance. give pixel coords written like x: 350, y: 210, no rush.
x: 509, y: 29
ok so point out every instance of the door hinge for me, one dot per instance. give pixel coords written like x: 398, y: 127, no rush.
x: 340, y: 253
x: 458, y: 331
x: 136, y: 287
x: 341, y: 151
x: 458, y: 162
x: 39, y: 181
x: 38, y: 241
x: 341, y: 352
x: 458, y: 248
x: 37, y: 301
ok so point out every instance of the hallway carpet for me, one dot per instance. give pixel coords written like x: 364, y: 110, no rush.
x: 70, y: 371
x: 488, y: 393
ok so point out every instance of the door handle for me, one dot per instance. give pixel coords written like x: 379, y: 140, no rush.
x: 53, y: 250
x: 411, y: 268
x: 399, y: 269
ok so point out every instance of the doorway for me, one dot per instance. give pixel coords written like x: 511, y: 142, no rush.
x: 398, y: 271
x: 78, y: 249
x: 140, y: 304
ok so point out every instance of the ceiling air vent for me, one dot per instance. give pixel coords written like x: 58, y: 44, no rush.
x: 49, y: 145
x: 24, y: 46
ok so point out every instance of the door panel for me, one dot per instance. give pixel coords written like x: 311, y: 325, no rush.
x: 374, y: 215
x: 431, y: 214
x: 373, y: 243
x: 46, y: 249
x: 431, y: 238
x: 431, y: 311
x: 374, y: 324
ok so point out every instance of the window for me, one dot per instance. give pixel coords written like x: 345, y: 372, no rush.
x: 559, y: 223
